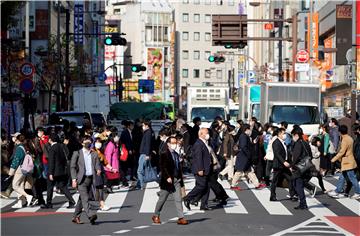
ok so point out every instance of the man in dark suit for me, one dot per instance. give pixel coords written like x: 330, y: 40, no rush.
x: 281, y: 164
x: 126, y: 139
x: 57, y: 174
x: 201, y: 168
x: 85, y: 165
x: 171, y: 181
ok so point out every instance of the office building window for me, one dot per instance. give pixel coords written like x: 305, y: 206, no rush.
x: 186, y: 1
x: 196, y: 55
x: 196, y: 36
x: 185, y: 17
x: 207, y: 18
x: 185, y: 36
x: 219, y: 74
x: 207, y: 36
x: 207, y: 55
x: 231, y: 2
x: 197, y: 2
x: 207, y: 73
x: 196, y: 73
x: 197, y: 18
x: 207, y: 2
x: 219, y: 2
x: 185, y: 73
x: 117, y: 11
x: 185, y: 54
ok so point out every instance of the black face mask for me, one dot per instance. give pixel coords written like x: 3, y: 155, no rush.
x: 87, y: 145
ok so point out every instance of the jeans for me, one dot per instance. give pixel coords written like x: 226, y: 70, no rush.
x: 140, y: 171
x: 352, y: 177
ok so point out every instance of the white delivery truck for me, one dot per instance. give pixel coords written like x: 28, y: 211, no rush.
x: 207, y: 103
x: 91, y: 98
x: 295, y: 103
x: 249, y: 102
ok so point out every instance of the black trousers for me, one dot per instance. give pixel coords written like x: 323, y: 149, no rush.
x: 61, y: 183
x: 200, y: 191
x: 277, y: 173
x: 299, y: 187
x: 216, y: 187
x: 40, y: 185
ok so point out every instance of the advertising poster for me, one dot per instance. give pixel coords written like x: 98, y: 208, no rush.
x: 155, y: 67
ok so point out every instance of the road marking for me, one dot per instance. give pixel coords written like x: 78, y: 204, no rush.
x: 150, y: 198
x: 263, y: 195
x: 349, y: 203
x: 316, y: 207
x: 36, y: 208
x: 307, y: 228
x: 63, y: 207
x: 234, y: 204
x: 7, y: 202
x: 115, y: 201
x: 189, y: 185
x: 122, y: 231
x: 142, y: 227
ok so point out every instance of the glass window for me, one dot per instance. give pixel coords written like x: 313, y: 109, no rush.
x: 148, y: 33
x: 166, y: 34
x: 196, y: 36
x: 117, y: 11
x: 207, y: 113
x: 231, y: 2
x: 197, y: 2
x: 219, y: 2
x: 207, y: 2
x: 196, y: 55
x: 207, y: 36
x: 207, y: 18
x: 185, y: 54
x: 186, y: 1
x: 196, y: 73
x: 185, y: 36
x: 207, y: 73
x: 207, y: 55
x: 295, y: 114
x: 185, y: 17
x: 196, y: 18
x: 185, y: 73
x: 219, y: 74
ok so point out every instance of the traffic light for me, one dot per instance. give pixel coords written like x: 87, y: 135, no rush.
x: 240, y: 45
x: 216, y: 58
x: 137, y: 68
x: 115, y: 39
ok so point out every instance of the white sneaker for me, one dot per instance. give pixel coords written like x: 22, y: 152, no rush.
x: 18, y: 205
x: 28, y: 200
x: 356, y: 196
x: 333, y: 194
x: 105, y: 208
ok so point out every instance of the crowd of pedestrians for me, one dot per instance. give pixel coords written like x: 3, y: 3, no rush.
x: 94, y: 162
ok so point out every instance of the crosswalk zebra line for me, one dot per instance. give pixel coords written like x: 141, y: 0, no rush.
x: 349, y: 203
x: 316, y: 207
x: 115, y: 201
x: 189, y: 183
x: 35, y: 208
x: 7, y: 202
x: 150, y: 197
x: 234, y: 204
x: 263, y: 195
x: 63, y: 207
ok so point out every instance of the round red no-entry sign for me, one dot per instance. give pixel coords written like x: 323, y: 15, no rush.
x: 302, y: 56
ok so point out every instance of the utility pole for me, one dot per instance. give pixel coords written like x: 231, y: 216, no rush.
x: 281, y: 77
x: 57, y: 59
x: 27, y: 58
x: 353, y: 83
x: 67, y: 63
x: 311, y: 40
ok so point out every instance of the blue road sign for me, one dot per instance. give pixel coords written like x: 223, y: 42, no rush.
x: 102, y: 77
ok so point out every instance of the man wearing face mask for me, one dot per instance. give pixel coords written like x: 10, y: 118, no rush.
x: 57, y: 175
x: 281, y: 164
x: 171, y: 181
x: 201, y: 168
x: 85, y: 165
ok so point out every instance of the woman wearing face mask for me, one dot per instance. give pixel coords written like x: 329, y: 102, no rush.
x: 112, y: 157
x: 100, y: 180
x: 325, y: 163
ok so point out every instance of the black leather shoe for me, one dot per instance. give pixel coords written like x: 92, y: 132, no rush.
x: 273, y: 199
x: 294, y: 199
x: 222, y: 203
x: 301, y: 207
x: 71, y: 205
x: 205, y: 208
x: 46, y: 206
x: 221, y: 177
x: 187, y: 204
x: 92, y: 219
x: 195, y: 203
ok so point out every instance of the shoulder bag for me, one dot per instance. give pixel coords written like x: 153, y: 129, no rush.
x: 305, y: 163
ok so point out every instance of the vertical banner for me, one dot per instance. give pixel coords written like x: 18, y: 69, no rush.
x: 343, y: 32
x: 314, y: 34
x: 78, y: 24
x: 32, y: 16
x: 155, y: 67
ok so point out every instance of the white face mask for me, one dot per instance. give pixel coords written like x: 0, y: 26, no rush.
x: 248, y: 132
x: 207, y: 136
x: 173, y: 147
x: 108, y: 133
x: 116, y: 139
x: 13, y: 139
x: 98, y: 145
x: 284, y: 136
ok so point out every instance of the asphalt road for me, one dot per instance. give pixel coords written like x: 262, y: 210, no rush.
x: 249, y: 212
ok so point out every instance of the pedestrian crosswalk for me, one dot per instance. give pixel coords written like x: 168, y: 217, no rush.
x: 240, y: 202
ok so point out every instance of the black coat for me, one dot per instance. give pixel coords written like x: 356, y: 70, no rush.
x: 126, y: 139
x: 243, y: 157
x: 167, y: 168
x: 57, y: 160
x: 146, y: 145
x: 201, y: 158
x: 279, y: 154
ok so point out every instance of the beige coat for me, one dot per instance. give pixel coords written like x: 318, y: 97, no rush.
x: 346, y: 155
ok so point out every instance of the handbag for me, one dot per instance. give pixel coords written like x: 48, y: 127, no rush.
x: 305, y: 163
x: 150, y: 174
x: 124, y: 154
x: 112, y: 175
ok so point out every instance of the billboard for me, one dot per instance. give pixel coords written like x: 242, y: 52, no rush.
x: 155, y: 68
x: 314, y: 34
x: 343, y: 32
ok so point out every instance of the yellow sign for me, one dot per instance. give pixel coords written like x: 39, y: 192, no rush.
x: 109, y: 29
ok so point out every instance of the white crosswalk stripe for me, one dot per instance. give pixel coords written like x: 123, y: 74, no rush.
x: 147, y: 199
